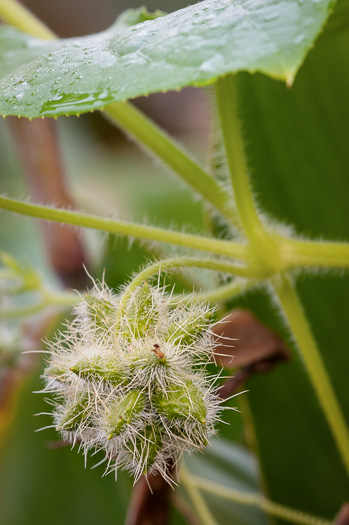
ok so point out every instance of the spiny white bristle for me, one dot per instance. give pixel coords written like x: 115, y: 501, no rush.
x: 108, y: 370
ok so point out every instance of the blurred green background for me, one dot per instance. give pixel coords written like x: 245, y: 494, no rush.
x: 297, y: 147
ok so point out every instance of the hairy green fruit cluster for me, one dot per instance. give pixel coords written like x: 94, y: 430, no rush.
x: 130, y: 378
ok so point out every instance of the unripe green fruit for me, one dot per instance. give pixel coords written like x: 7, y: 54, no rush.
x: 130, y: 379
x: 74, y: 414
x: 191, y: 328
x: 56, y: 371
x: 182, y: 402
x: 142, y: 358
x: 98, y: 369
x: 148, y: 445
x: 142, y: 315
x: 122, y: 411
x: 100, y: 311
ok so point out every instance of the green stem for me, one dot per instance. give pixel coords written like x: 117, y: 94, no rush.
x: 257, y: 500
x: 180, y: 262
x: 196, y: 498
x: 63, y: 300
x: 319, y: 377
x: 17, y: 15
x: 223, y: 293
x: 141, y: 231
x: 311, y: 253
x: 156, y: 252
x: 262, y: 244
x: 227, y: 108
x: 134, y: 122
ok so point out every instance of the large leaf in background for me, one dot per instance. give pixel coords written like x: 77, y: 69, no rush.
x: 40, y: 486
x: 190, y: 47
x: 234, y: 468
x: 297, y: 145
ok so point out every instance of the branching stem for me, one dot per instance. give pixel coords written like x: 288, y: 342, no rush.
x: 269, y: 253
x: 295, y: 253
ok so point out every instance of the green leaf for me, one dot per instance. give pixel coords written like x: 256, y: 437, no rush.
x: 131, y: 17
x: 190, y: 47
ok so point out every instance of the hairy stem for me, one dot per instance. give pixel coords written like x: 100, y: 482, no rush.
x: 134, y: 122
x: 261, y: 243
x: 257, y: 500
x: 317, y: 254
x: 265, y: 247
x: 141, y: 231
x: 295, y: 253
x: 224, y: 292
x: 48, y: 299
x: 15, y: 14
x: 179, y: 262
x: 196, y: 498
x: 267, y: 252
x: 227, y: 108
x: 319, y: 377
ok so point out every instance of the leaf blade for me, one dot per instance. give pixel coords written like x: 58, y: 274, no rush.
x: 192, y: 46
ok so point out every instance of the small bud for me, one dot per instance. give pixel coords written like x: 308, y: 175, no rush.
x: 147, y: 358
x: 99, y: 369
x: 142, y: 313
x: 147, y: 446
x: 190, y: 326
x: 122, y: 411
x: 100, y: 312
x: 73, y: 415
x: 56, y: 371
x: 186, y: 402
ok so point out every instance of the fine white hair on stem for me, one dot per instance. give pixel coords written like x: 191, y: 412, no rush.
x: 133, y: 380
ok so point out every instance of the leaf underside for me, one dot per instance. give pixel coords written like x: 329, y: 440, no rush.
x: 190, y: 47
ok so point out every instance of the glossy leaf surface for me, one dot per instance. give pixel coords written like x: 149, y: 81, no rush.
x: 190, y: 47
